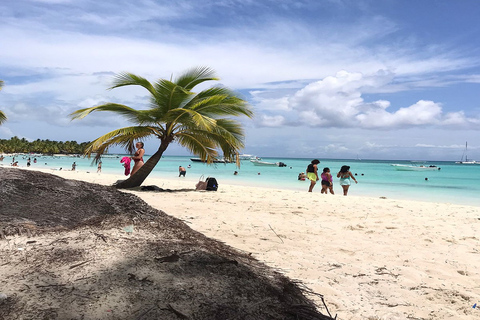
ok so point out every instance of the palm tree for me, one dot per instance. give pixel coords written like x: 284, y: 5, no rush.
x: 201, y: 122
x: 3, y: 117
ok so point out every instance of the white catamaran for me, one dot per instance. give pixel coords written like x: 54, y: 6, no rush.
x: 464, y: 156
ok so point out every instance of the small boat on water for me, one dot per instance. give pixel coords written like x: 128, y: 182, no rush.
x: 245, y: 156
x: 110, y: 156
x: 257, y: 162
x: 214, y: 161
x: 464, y: 159
x: 406, y: 167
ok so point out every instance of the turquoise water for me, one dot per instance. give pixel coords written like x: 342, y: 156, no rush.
x: 454, y: 183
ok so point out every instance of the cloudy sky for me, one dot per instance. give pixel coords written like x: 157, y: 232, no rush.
x: 390, y: 79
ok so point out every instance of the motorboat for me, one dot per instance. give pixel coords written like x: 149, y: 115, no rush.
x: 110, y: 156
x: 263, y: 163
x: 245, y: 156
x: 205, y: 161
x: 257, y: 162
x: 406, y: 167
x: 464, y: 159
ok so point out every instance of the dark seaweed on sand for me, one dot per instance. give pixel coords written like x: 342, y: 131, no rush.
x: 177, y: 273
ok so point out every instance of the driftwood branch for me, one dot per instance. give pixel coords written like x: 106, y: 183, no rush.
x: 101, y: 236
x: 145, y: 312
x: 50, y: 285
x: 276, y: 233
x: 79, y: 264
x: 321, y: 297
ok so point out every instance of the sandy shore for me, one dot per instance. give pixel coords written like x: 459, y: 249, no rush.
x: 371, y: 258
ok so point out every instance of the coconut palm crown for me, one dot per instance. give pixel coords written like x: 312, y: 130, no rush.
x: 201, y: 122
x: 3, y: 117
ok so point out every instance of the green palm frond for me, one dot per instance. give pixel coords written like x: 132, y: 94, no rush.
x: 128, y: 79
x: 199, y: 145
x: 1, y: 84
x: 219, y: 102
x: 222, y: 91
x: 169, y: 95
x: 226, y: 134
x: 137, y: 116
x: 124, y: 137
x: 3, y: 117
x: 231, y: 128
x: 222, y: 106
x: 195, y: 76
x: 190, y: 119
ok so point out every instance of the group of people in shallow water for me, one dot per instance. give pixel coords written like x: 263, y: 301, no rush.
x: 326, y: 178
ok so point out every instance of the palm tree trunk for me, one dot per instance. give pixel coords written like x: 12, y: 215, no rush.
x: 137, y: 179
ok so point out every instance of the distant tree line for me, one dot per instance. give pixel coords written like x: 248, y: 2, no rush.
x: 17, y: 145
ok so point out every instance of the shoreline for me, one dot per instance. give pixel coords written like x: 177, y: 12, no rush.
x: 160, y: 178
x: 369, y: 257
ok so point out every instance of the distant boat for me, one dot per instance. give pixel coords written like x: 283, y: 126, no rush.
x: 257, y: 162
x: 110, y: 156
x: 245, y: 156
x: 406, y: 167
x: 464, y: 156
x: 214, y: 161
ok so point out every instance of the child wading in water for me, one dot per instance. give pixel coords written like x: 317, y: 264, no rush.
x: 327, y: 181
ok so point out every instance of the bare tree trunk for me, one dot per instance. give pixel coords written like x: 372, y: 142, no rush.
x: 137, y: 179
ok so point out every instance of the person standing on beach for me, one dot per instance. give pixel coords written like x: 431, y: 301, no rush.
x: 138, y: 157
x: 74, y: 166
x: 99, y: 167
x: 182, y: 171
x: 312, y: 173
x: 327, y: 181
x: 344, y: 174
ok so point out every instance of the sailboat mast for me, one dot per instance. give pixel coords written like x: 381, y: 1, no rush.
x: 466, y: 154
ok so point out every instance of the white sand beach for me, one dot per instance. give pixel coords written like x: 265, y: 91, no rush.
x: 371, y: 258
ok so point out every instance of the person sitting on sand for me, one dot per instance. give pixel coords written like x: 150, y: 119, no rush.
x: 302, y: 176
x: 344, y: 174
x: 138, y: 157
x: 327, y: 181
x: 312, y: 173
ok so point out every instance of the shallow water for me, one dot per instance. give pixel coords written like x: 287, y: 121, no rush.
x: 454, y: 183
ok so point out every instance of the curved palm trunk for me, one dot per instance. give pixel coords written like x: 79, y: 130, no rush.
x: 137, y: 179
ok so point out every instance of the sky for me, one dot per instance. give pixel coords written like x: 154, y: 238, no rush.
x: 369, y: 79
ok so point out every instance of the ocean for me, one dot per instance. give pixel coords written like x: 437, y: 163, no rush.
x: 453, y: 183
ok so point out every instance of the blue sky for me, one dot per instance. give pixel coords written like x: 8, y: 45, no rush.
x: 391, y: 79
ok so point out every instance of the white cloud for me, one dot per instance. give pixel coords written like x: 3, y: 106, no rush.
x: 272, y: 121
x: 337, y: 101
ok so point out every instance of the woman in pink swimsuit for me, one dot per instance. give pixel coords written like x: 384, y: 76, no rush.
x: 327, y: 181
x: 138, y: 157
